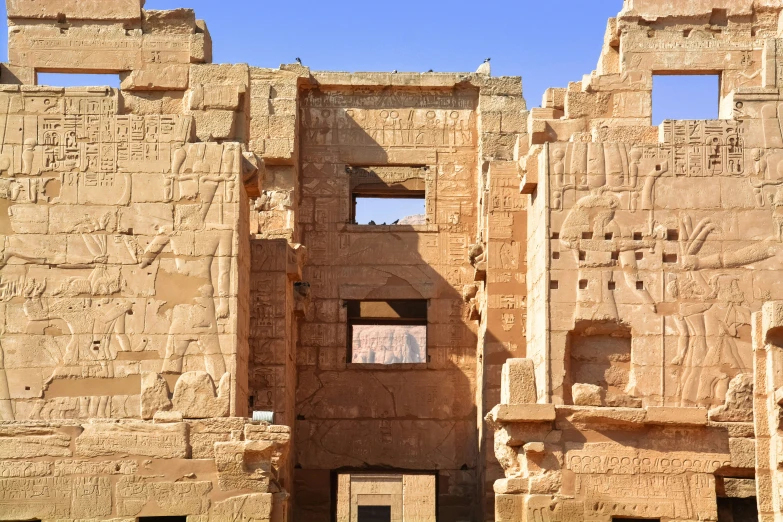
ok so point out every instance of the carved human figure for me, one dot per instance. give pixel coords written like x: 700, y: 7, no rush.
x: 593, y: 235
x: 6, y: 410
x: 776, y: 202
x: 711, y: 313
x: 94, y: 325
x: 196, y: 322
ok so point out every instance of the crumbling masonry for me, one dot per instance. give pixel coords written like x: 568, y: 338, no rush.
x: 584, y: 325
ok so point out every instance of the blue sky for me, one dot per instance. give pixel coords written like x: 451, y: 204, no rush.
x: 547, y: 43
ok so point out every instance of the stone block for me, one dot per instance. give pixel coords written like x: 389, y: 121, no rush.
x: 676, y: 416
x: 518, y: 382
x: 164, y: 441
x: 75, y: 9
x: 156, y: 77
x: 154, y: 395
x: 523, y: 413
x: 195, y: 396
x: 743, y: 453
x: 587, y: 394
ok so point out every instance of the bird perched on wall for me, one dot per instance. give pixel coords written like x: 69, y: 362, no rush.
x: 429, y: 71
x: 485, y: 68
x: 298, y: 60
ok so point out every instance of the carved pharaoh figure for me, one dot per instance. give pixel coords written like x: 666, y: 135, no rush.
x: 196, y: 322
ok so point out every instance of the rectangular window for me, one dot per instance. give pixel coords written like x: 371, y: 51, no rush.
x: 389, y: 210
x: 79, y: 80
x: 387, y: 332
x: 685, y: 97
x: 374, y: 513
x: 388, y: 195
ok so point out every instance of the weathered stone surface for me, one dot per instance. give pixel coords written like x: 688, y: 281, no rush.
x: 587, y: 395
x: 154, y: 395
x: 75, y: 9
x: 518, y: 382
x: 30, y: 442
x: 255, y: 507
x: 739, y: 401
x: 172, y: 499
x: 195, y: 396
x: 591, y: 276
x: 164, y: 441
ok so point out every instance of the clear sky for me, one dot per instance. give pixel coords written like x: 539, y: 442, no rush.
x: 548, y: 43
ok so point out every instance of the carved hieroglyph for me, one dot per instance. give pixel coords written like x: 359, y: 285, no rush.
x: 650, y: 249
x: 118, y: 250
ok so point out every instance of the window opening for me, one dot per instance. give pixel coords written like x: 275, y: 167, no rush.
x: 738, y: 509
x: 79, y: 80
x: 736, y: 499
x: 598, y: 364
x: 685, y: 97
x: 374, y: 513
x: 389, y: 209
x: 388, y: 195
x: 387, y: 332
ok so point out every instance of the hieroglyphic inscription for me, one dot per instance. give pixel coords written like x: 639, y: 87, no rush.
x: 25, y: 498
x: 177, y: 498
x: 385, y: 175
x: 398, y: 120
x: 86, y: 467
x: 158, y: 440
x: 705, y: 148
x: 34, y: 442
x: 99, y: 143
x: 23, y: 469
x: 634, y: 462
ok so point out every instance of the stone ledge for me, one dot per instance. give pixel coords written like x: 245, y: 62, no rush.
x: 354, y: 228
x: 76, y: 9
x: 590, y: 415
x: 498, y: 85
x: 651, y: 416
x: 523, y: 413
x: 670, y: 416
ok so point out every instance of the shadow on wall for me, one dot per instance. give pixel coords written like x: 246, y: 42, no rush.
x: 388, y: 415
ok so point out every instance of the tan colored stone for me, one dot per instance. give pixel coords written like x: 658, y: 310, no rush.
x: 76, y: 9
x: 518, y: 382
x: 30, y: 442
x: 143, y: 248
x: 523, y: 412
x: 587, y: 395
x: 739, y: 401
x: 676, y: 416
x: 171, y: 498
x: 743, y: 453
x: 144, y: 439
x: 255, y: 507
x: 194, y: 396
x: 154, y: 395
x: 154, y: 77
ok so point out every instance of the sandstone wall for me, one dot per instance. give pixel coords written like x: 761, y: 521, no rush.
x: 125, y: 275
x: 649, y: 250
x: 419, y: 417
